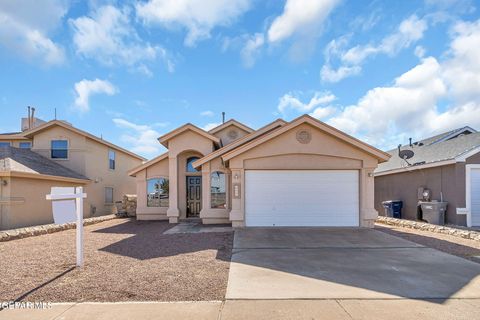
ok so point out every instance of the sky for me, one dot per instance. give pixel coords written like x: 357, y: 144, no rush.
x: 130, y: 71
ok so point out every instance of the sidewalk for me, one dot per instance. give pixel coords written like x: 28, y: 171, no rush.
x: 258, y: 309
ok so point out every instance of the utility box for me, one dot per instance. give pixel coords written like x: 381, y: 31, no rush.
x: 393, y: 208
x: 433, y: 211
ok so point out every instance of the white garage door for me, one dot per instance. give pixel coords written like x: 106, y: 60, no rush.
x: 301, y: 198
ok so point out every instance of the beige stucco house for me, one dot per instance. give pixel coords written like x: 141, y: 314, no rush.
x: 55, y: 153
x: 298, y: 173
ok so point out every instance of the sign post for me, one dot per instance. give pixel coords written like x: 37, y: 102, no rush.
x: 62, y: 198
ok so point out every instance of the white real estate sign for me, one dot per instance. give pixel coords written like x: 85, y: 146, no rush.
x: 67, y: 206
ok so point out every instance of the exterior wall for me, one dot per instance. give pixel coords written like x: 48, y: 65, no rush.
x: 90, y: 158
x: 226, y: 136
x: 158, y: 170
x: 97, y: 169
x: 30, y: 206
x: 448, y: 181
x: 322, y: 152
x: 77, y: 147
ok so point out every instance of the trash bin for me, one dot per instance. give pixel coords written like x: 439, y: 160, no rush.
x: 393, y: 208
x: 433, y: 211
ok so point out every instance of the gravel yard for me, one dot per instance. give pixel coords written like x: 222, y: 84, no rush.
x: 125, y: 260
x: 465, y: 248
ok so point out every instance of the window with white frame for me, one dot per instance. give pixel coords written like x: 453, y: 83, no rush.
x: 4, y: 144
x: 111, y: 159
x: 218, y: 194
x: 25, y: 145
x: 108, y: 195
x: 59, y: 149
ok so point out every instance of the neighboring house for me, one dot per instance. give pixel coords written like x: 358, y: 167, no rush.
x: 55, y: 153
x: 300, y: 173
x: 448, y: 164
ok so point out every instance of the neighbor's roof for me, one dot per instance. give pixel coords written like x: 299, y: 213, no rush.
x: 187, y: 127
x: 24, y: 162
x: 231, y: 122
x: 63, y: 124
x: 435, y: 150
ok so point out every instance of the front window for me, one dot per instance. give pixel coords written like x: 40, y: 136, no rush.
x: 25, y: 145
x: 218, y: 193
x: 108, y: 195
x: 4, y: 144
x: 59, y: 149
x: 190, y: 161
x: 157, y: 192
x: 111, y: 159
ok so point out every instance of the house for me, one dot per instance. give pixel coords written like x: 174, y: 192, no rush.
x: 298, y: 173
x: 55, y: 153
x: 447, y: 164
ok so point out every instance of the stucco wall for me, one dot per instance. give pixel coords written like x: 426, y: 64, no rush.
x: 224, y: 134
x: 324, y: 151
x: 34, y: 209
x: 448, y: 180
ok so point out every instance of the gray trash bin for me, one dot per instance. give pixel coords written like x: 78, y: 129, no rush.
x: 434, y: 212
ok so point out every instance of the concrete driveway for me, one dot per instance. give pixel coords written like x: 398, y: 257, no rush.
x: 344, y: 263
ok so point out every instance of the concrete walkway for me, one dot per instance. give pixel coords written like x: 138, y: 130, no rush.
x: 400, y: 309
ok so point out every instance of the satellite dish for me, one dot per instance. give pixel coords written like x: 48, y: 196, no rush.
x: 405, y: 154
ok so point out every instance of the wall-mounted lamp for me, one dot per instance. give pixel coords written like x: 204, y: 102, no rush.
x: 235, y: 176
x: 4, y: 183
x: 370, y: 174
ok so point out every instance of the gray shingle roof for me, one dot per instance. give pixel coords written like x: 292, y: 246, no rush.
x: 431, y: 152
x: 25, y: 160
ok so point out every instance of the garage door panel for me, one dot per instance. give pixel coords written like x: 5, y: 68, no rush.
x: 302, y: 198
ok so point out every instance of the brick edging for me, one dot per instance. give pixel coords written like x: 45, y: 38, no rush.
x: 420, y: 225
x: 13, y: 234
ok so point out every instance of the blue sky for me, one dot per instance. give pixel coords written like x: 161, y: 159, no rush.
x: 131, y: 71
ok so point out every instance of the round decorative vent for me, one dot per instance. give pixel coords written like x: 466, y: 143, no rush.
x: 304, y: 136
x: 232, y: 134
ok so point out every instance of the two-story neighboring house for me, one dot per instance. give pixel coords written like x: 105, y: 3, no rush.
x: 55, y: 153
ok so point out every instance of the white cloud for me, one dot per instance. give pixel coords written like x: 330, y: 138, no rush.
x: 291, y: 101
x: 419, y: 51
x: 25, y: 28
x: 142, y: 138
x: 86, y: 88
x: 250, y: 51
x: 199, y: 17
x: 210, y: 126
x: 408, y: 32
x: 108, y: 37
x: 207, y: 113
x: 321, y: 113
x: 300, y: 17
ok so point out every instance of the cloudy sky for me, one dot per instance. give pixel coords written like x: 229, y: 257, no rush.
x: 130, y: 71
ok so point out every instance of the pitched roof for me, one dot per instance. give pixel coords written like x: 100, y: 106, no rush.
x: 433, y: 152
x: 63, y: 124
x: 379, y: 154
x: 188, y: 126
x: 147, y: 164
x: 247, y: 138
x: 231, y: 122
x: 25, y: 161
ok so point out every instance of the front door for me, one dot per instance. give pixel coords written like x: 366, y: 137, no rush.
x: 194, y: 196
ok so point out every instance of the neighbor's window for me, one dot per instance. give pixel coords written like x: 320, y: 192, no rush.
x: 218, y: 194
x: 4, y: 144
x: 157, y: 192
x: 108, y: 195
x: 59, y: 149
x: 190, y: 167
x: 25, y: 145
x: 111, y: 159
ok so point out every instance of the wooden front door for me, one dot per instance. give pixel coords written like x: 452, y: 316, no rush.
x: 194, y: 196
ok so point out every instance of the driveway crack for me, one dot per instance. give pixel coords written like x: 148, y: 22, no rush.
x: 343, y: 308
